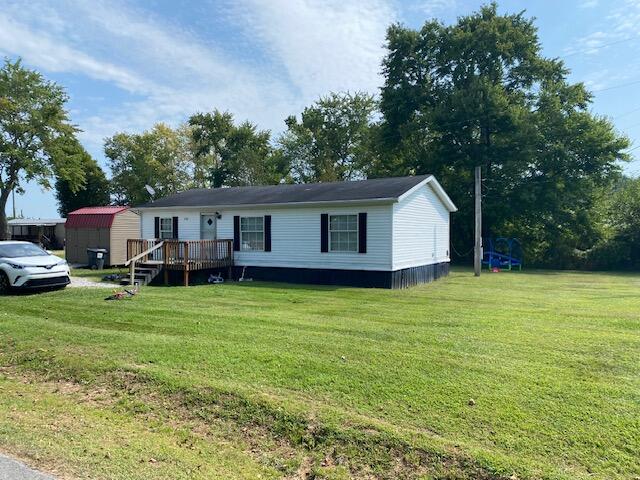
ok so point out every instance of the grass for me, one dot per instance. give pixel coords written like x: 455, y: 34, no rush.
x: 523, y: 375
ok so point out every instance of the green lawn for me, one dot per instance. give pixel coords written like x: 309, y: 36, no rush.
x: 521, y: 375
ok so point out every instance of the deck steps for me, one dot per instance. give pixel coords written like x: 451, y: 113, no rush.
x: 143, y: 274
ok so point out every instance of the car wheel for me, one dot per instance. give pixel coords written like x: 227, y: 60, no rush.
x: 5, y: 287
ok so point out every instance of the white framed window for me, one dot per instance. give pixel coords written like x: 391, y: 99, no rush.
x: 166, y: 228
x: 343, y: 233
x: 252, y: 233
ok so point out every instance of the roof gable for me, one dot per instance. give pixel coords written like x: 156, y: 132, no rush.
x: 437, y: 188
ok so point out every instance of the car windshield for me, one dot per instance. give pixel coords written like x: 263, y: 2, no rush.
x: 15, y: 250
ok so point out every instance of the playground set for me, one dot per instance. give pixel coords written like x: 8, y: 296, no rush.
x: 503, y: 253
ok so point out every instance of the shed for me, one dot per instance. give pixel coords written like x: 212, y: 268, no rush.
x: 100, y: 227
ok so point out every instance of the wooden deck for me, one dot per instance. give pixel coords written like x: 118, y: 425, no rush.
x: 183, y: 255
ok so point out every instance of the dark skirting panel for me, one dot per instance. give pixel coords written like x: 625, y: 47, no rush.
x: 404, y: 278
x: 408, y: 277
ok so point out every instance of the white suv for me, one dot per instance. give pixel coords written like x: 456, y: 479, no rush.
x: 25, y: 265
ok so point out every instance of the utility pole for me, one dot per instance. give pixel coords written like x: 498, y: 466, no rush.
x: 477, y: 250
x: 13, y: 197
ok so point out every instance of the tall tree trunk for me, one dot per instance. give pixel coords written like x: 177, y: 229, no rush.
x: 4, y: 227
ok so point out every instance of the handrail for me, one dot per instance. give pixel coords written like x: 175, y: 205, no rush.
x: 144, y: 254
x: 132, y: 261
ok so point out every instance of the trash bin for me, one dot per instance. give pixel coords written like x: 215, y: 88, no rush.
x: 96, y: 258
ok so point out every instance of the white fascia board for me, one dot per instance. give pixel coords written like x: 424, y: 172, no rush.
x: 437, y: 188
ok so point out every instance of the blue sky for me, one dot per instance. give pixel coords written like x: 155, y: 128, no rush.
x: 127, y: 65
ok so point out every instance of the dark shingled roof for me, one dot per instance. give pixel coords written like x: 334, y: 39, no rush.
x: 381, y: 188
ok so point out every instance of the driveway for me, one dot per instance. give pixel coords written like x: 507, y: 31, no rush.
x: 85, y: 282
x: 11, y: 469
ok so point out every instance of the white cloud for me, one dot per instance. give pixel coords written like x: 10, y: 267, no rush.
x: 170, y: 72
x: 619, y: 26
x: 436, y: 8
x: 589, y: 4
x: 40, y: 49
x: 324, y: 46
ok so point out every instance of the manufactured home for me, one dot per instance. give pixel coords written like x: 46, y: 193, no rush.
x: 389, y: 232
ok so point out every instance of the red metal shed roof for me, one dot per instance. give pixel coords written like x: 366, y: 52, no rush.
x: 93, y: 217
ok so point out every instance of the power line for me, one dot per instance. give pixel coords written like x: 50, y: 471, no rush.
x: 617, y: 86
x: 631, y: 126
x: 598, y: 47
x: 626, y: 113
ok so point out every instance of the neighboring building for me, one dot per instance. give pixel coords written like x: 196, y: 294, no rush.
x: 390, y: 232
x: 48, y: 232
x: 100, y: 227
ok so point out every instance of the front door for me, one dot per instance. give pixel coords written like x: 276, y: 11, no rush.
x: 208, y: 227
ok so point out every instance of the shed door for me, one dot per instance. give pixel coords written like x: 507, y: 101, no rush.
x: 208, y: 227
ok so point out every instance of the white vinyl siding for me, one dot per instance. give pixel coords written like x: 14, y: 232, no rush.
x: 295, y: 235
x: 252, y: 234
x: 343, y: 233
x: 295, y: 238
x: 188, y: 222
x: 420, y: 230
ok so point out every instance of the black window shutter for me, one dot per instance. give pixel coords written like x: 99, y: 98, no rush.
x: 175, y: 228
x: 324, y: 232
x: 362, y: 232
x: 236, y: 233
x: 156, y: 227
x: 267, y: 233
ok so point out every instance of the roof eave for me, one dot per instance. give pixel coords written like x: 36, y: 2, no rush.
x: 281, y: 204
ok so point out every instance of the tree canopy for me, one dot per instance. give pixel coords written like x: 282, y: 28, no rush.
x: 332, y: 139
x: 93, y: 191
x: 33, y: 120
x: 480, y: 93
x: 235, y: 154
x: 161, y: 157
x: 619, y: 215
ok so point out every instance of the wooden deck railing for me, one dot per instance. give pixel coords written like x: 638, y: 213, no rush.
x: 197, y: 254
x: 185, y: 255
x: 136, y: 246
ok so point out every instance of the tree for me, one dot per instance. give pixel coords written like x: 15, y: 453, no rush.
x: 236, y: 154
x: 95, y: 188
x: 620, y: 246
x: 479, y: 92
x: 161, y: 157
x: 332, y: 139
x: 32, y: 119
